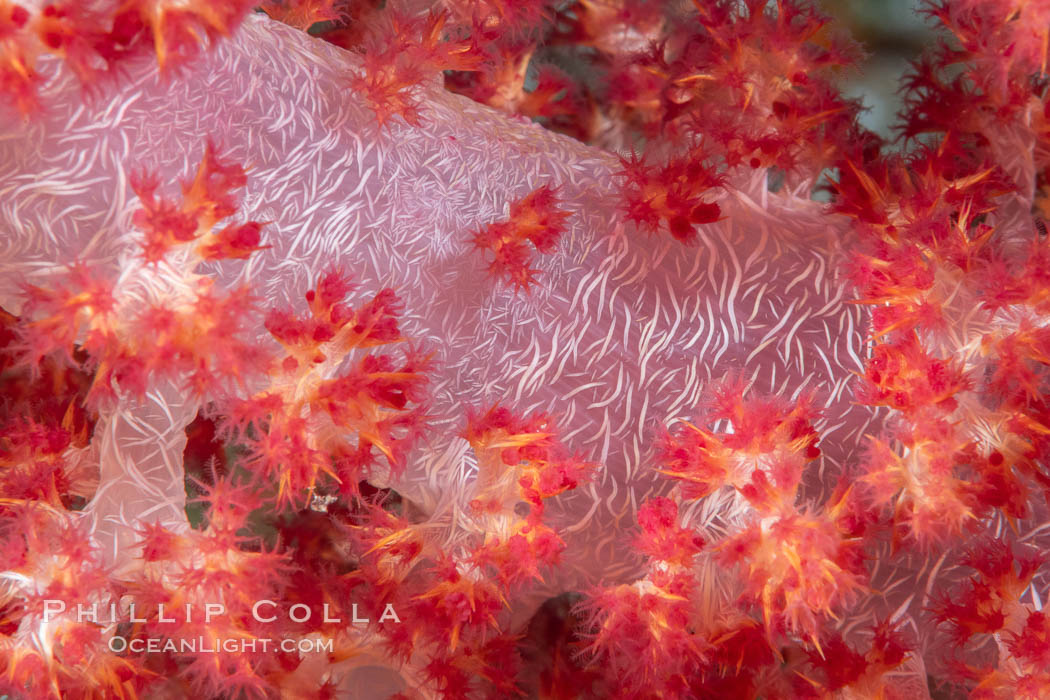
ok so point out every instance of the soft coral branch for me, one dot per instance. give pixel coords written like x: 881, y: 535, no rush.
x: 763, y: 456
x: 398, y: 60
x: 535, y: 224
x: 315, y: 421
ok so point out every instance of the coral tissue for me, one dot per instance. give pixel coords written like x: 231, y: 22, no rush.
x: 519, y: 349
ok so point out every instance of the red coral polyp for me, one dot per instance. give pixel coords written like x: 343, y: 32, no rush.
x: 535, y: 219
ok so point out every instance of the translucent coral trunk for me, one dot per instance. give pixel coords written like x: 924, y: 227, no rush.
x: 620, y: 335
x: 141, y: 481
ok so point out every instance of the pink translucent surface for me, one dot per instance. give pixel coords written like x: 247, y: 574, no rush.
x: 622, y: 335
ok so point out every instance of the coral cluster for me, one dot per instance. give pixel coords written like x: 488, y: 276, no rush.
x: 500, y: 348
